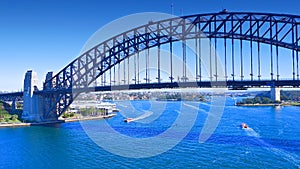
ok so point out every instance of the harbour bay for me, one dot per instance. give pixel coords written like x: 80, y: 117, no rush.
x: 272, y: 141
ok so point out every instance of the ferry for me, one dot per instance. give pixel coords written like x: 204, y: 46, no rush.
x: 128, y: 120
x: 244, y: 125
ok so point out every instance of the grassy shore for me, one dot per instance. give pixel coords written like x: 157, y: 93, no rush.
x: 62, y: 120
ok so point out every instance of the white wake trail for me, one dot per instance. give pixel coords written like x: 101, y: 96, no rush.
x: 292, y: 158
x: 194, y: 107
x: 251, y: 132
x: 143, y: 116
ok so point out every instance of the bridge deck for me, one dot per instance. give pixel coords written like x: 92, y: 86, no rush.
x: 234, y: 85
x: 17, y: 96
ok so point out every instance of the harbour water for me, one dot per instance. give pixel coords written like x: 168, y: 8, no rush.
x: 272, y: 140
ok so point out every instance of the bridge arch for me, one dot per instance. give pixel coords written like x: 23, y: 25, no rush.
x: 278, y: 30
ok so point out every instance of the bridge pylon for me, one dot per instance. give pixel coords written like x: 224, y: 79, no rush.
x: 30, y: 112
x: 36, y: 105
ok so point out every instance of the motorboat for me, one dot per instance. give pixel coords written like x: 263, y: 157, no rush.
x: 244, y: 125
x: 128, y: 120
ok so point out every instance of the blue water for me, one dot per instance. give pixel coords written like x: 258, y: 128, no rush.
x: 272, y: 141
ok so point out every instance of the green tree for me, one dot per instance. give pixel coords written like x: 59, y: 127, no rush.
x: 65, y: 115
x: 257, y: 100
x: 14, y: 117
x: 72, y: 114
x: 266, y: 100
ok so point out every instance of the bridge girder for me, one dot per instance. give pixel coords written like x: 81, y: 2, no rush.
x: 16, y: 96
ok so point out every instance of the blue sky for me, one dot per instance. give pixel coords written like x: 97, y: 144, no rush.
x: 46, y: 35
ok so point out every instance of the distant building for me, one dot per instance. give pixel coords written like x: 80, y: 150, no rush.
x: 101, y: 108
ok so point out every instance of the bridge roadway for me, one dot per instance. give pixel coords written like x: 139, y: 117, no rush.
x: 218, y: 84
x: 232, y: 85
x: 15, y: 96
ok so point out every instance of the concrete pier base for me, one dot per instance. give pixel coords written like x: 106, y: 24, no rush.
x: 275, y: 94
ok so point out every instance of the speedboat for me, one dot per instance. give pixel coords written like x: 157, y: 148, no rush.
x: 244, y: 125
x: 128, y: 120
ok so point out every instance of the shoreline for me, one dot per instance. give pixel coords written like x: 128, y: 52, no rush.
x: 87, y: 118
x: 14, y: 125
x: 266, y: 105
x: 257, y: 105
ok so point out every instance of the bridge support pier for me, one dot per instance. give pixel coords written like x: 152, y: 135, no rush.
x: 275, y: 93
x: 31, y: 105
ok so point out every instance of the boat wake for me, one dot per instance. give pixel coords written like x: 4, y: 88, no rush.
x: 290, y: 157
x: 194, y: 107
x: 143, y: 116
x: 251, y: 132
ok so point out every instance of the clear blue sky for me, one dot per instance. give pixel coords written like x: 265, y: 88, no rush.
x: 45, y: 35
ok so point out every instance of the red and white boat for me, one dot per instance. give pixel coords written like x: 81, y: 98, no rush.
x: 128, y: 120
x: 244, y: 125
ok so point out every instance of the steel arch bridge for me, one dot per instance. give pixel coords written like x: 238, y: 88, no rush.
x: 241, y: 40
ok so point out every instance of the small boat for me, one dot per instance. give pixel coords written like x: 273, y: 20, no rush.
x: 244, y: 125
x: 128, y: 120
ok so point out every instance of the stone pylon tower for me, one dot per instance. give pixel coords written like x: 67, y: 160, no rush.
x: 30, y: 83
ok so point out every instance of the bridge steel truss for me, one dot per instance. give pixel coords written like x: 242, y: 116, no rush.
x: 16, y: 96
x: 275, y: 30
